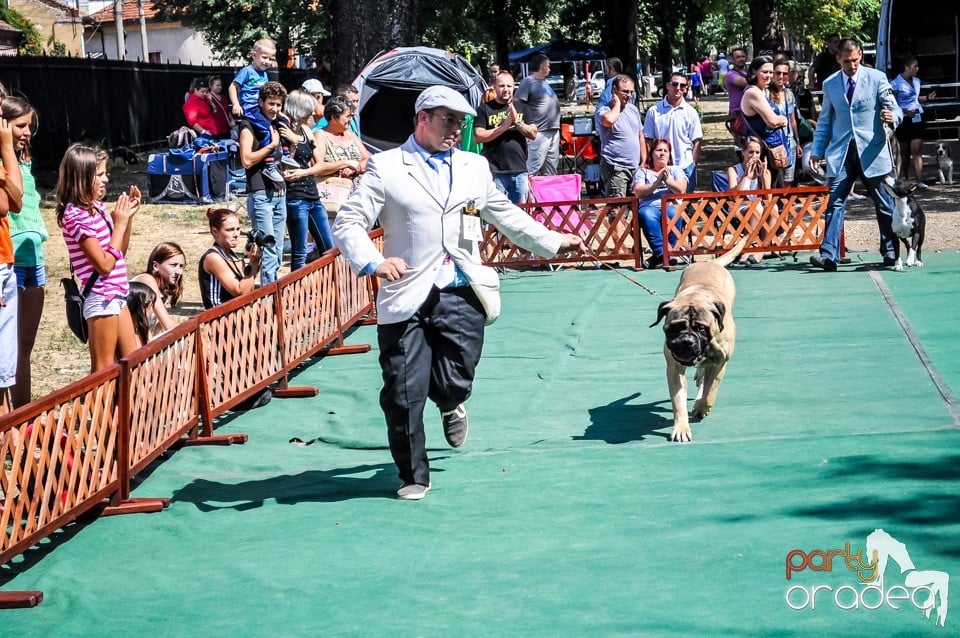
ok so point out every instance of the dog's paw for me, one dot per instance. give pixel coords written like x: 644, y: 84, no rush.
x: 700, y: 410
x: 898, y: 265
x: 681, y: 434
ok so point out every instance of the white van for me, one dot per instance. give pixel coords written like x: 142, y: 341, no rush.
x: 930, y: 30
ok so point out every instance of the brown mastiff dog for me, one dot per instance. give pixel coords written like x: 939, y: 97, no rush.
x: 699, y: 332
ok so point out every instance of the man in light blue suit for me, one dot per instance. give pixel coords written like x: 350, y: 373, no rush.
x: 857, y: 102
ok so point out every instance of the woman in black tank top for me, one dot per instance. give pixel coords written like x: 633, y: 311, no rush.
x: 223, y: 274
x: 305, y: 212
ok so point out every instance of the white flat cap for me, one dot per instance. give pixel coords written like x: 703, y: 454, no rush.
x: 436, y: 96
x: 315, y: 86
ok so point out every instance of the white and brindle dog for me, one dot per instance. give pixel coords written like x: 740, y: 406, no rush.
x: 944, y: 163
x: 699, y: 332
x: 909, y: 221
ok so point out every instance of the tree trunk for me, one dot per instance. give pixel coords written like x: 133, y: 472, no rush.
x: 361, y: 29
x: 668, y: 19
x: 763, y: 26
x: 501, y: 33
x: 620, y: 33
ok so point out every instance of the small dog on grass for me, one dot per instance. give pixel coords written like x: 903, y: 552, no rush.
x: 944, y: 163
x: 909, y: 220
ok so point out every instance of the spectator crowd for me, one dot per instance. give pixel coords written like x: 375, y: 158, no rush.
x: 302, y: 157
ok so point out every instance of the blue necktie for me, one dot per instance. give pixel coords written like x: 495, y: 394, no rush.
x: 850, y: 86
x: 438, y: 163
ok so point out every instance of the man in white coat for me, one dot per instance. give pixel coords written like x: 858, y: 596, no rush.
x: 430, y: 198
x: 857, y: 102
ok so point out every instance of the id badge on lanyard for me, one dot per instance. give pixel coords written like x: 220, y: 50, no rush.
x: 470, y: 228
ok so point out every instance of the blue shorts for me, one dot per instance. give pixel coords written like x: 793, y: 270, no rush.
x: 31, y: 276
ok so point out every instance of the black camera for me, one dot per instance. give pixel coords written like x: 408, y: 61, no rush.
x: 261, y: 239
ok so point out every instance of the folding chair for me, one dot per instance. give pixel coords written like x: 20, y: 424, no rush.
x: 236, y: 173
x: 559, y: 188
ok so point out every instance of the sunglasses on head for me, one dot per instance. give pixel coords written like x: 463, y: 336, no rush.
x: 679, y: 85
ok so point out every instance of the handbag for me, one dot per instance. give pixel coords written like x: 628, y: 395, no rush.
x: 73, y: 299
x: 334, y: 191
x: 737, y: 126
x: 779, y: 155
x: 775, y: 140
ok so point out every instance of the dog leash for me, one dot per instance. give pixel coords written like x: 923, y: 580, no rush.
x: 600, y: 264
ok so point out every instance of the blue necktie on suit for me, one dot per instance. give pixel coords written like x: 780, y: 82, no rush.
x: 850, y: 86
x: 438, y: 162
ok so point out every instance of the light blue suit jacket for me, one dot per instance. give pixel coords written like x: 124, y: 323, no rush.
x: 839, y: 120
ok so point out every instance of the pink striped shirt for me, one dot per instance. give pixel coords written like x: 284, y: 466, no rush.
x: 79, y: 224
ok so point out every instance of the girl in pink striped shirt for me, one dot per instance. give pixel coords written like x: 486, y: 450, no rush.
x: 96, y: 244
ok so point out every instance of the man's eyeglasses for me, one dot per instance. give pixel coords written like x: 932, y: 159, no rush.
x: 451, y: 121
x: 781, y: 72
x: 679, y: 85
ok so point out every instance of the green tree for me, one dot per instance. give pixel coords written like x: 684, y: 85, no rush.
x: 32, y: 42
x: 232, y: 26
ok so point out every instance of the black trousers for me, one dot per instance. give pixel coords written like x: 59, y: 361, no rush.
x: 434, y: 355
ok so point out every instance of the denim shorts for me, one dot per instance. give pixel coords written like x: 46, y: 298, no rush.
x: 96, y: 305
x: 31, y: 276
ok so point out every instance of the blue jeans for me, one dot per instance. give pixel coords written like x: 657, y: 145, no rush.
x: 840, y: 186
x: 691, y: 173
x: 516, y: 186
x: 650, y: 224
x: 268, y: 212
x: 303, y: 216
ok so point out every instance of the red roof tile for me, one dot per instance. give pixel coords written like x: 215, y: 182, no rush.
x: 130, y: 12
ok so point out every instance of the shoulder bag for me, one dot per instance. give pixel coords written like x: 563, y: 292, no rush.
x: 334, y: 191
x: 74, y: 304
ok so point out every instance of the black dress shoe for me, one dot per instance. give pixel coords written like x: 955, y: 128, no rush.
x: 655, y: 261
x: 889, y: 262
x: 827, y: 264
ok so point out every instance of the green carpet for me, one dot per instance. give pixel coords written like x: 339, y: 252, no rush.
x: 568, y: 512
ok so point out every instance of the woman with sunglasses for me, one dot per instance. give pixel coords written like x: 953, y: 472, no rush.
x: 786, y: 101
x: 763, y: 116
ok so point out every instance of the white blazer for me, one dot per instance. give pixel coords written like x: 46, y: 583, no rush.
x: 399, y: 189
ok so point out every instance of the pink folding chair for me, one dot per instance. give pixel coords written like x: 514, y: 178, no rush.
x: 558, y: 188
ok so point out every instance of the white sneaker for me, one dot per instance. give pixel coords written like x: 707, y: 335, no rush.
x: 856, y: 196
x: 412, y: 491
x: 922, y: 186
x: 289, y: 162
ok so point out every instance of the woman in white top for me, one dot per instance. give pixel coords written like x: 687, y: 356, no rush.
x: 749, y: 175
x: 906, y: 88
x: 654, y: 179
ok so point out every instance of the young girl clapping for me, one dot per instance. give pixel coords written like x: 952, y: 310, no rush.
x: 96, y: 242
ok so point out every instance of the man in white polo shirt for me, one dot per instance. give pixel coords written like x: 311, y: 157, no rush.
x: 673, y: 119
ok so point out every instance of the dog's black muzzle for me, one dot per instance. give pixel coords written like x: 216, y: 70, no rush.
x: 687, y: 348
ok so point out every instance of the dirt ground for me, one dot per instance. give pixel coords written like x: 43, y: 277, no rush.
x: 59, y: 358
